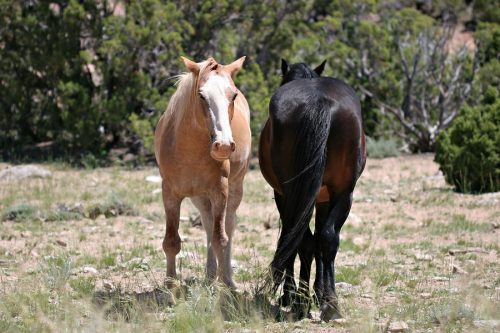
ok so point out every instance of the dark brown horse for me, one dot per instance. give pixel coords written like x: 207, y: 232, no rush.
x: 312, y: 151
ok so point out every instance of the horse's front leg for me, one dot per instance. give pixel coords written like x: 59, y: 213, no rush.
x: 233, y: 202
x: 172, y: 240
x: 220, y: 239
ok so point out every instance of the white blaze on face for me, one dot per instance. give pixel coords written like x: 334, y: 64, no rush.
x: 214, y: 93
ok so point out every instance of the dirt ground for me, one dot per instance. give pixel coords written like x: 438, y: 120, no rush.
x: 415, y: 256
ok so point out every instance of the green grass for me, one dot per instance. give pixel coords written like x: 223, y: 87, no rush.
x: 382, y: 274
x: 458, y: 224
x: 351, y: 275
x: 19, y: 212
x: 347, y: 244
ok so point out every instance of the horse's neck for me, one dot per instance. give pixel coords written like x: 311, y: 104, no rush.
x: 191, y: 127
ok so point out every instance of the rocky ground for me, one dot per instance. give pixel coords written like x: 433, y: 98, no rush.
x: 81, y: 250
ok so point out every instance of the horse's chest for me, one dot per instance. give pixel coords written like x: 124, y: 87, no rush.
x: 190, y: 179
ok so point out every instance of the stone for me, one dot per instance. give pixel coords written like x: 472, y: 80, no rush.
x: 19, y: 172
x: 441, y: 279
x: 153, y: 179
x: 425, y: 295
x: 398, y: 326
x: 488, y: 324
x: 423, y: 257
x: 61, y: 243
x: 458, y: 270
x: 108, y: 285
x: 89, y: 270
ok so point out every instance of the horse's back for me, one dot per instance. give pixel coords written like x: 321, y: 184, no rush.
x: 294, y: 97
x: 295, y: 104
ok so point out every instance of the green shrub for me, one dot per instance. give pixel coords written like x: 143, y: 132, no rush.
x: 469, y: 151
x: 381, y: 148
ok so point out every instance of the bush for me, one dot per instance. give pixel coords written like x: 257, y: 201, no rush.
x: 381, y: 148
x: 469, y: 151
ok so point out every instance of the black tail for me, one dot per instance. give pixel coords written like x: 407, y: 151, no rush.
x: 300, y: 191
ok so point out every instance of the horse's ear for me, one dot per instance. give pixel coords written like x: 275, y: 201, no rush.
x: 320, y: 68
x: 191, y: 65
x: 235, y: 66
x: 284, y: 66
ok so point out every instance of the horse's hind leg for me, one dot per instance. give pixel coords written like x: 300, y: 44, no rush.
x: 322, y: 210
x: 306, y: 252
x: 172, y: 240
x: 329, y: 237
x: 289, y: 287
x: 205, y: 209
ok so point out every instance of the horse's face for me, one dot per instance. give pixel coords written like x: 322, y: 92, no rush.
x: 299, y: 71
x: 218, y: 93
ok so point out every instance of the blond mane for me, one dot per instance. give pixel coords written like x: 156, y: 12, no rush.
x: 184, y: 98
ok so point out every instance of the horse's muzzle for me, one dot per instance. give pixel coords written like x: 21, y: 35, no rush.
x: 221, y: 151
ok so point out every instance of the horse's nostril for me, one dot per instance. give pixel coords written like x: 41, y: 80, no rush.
x: 217, y: 145
x: 233, y: 146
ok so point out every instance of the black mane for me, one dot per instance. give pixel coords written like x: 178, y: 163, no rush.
x: 299, y: 71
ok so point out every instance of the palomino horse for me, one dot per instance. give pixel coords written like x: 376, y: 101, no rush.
x: 312, y: 151
x: 202, y: 146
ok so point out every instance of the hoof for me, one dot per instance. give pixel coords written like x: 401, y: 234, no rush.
x: 329, y: 312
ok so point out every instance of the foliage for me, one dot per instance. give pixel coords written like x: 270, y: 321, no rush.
x: 381, y: 148
x: 469, y: 153
x: 84, y: 77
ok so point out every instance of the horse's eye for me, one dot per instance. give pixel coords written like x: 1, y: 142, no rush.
x: 234, y: 97
x: 201, y: 95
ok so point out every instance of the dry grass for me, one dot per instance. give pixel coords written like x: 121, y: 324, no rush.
x: 63, y: 271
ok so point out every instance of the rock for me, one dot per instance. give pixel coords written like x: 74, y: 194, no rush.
x: 144, y: 220
x: 61, y: 243
x: 156, y: 191
x: 89, y: 230
x: 89, y: 270
x: 24, y: 171
x: 26, y: 234
x: 108, y: 285
x: 441, y: 279
x: 458, y: 270
x: 195, y: 220
x: 398, y: 326
x: 467, y: 250
x: 423, y: 257
x: 489, y: 199
x: 489, y: 324
x: 267, y: 225
x: 343, y: 285
x: 153, y: 179
x: 425, y: 295
x: 340, y: 321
